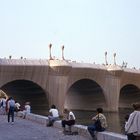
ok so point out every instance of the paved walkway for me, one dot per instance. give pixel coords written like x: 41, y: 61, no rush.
x: 27, y: 130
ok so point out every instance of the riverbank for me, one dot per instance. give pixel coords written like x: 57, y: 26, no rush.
x: 81, y: 129
x: 24, y: 129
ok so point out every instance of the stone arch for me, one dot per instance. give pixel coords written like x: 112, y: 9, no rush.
x: 85, y: 94
x: 129, y: 94
x: 26, y: 90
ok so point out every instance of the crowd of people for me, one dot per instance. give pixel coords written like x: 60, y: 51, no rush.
x: 99, y: 123
x: 9, y: 106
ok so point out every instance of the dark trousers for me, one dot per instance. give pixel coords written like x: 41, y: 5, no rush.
x: 67, y: 122
x: 11, y: 113
x: 92, y: 129
x: 131, y: 136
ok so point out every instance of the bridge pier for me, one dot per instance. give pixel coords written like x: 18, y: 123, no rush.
x: 112, y: 90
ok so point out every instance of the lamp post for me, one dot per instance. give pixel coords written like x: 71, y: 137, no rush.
x: 114, y: 58
x: 106, y: 58
x: 10, y: 57
x: 63, y: 52
x: 50, y: 46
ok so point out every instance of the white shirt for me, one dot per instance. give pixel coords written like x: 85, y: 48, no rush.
x: 133, y: 123
x: 54, y: 112
x: 28, y: 108
x: 71, y: 114
x: 17, y: 105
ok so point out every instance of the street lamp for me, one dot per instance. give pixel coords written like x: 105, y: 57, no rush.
x: 114, y: 58
x: 106, y: 58
x: 63, y: 52
x: 50, y: 46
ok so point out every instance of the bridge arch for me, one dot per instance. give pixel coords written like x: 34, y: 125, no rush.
x: 26, y: 90
x: 129, y: 94
x: 85, y: 94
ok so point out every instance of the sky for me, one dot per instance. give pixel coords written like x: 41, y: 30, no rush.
x: 87, y: 29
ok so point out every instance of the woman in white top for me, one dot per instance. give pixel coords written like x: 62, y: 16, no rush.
x: 53, y: 115
x: 132, y: 126
x: 68, y: 119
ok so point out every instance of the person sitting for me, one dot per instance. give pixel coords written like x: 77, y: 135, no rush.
x: 17, y: 106
x: 53, y: 115
x: 27, y: 109
x: 68, y: 119
x: 100, y: 123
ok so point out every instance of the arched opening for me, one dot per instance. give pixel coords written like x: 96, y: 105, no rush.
x: 129, y: 94
x: 85, y: 94
x: 23, y: 91
x: 83, y: 97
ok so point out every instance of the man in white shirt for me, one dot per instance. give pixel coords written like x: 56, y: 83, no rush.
x: 53, y: 115
x: 68, y: 119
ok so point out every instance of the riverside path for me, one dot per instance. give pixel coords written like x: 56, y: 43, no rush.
x: 27, y: 130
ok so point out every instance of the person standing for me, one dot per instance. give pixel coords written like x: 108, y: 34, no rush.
x: 99, y: 124
x: 3, y: 105
x: 10, y: 109
x: 53, y: 115
x: 132, y: 125
x: 68, y: 119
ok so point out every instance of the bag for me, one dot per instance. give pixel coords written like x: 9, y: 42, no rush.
x: 98, y: 125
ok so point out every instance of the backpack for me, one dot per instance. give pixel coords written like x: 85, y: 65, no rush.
x: 98, y: 125
x: 1, y: 104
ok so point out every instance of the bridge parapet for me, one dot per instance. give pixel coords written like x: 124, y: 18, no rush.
x: 24, y: 62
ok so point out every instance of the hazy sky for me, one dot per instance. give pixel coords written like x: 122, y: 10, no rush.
x: 87, y: 28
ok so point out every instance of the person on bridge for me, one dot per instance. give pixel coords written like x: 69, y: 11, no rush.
x: 132, y: 126
x: 68, y: 119
x: 53, y: 115
x: 100, y: 123
x: 10, y: 109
